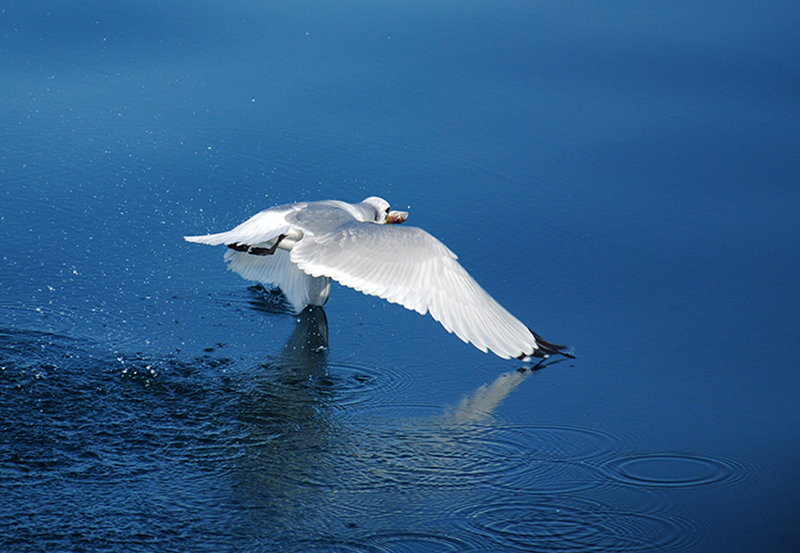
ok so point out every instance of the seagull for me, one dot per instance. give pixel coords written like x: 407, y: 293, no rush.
x: 300, y: 247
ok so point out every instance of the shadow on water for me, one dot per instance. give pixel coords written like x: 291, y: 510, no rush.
x: 295, y: 454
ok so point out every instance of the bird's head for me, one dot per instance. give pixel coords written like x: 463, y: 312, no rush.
x: 384, y: 213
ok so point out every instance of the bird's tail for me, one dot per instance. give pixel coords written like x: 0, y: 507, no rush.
x: 210, y: 239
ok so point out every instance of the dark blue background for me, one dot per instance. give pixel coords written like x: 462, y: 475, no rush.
x: 623, y: 178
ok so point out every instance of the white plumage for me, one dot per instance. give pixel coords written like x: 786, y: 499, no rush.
x: 300, y: 247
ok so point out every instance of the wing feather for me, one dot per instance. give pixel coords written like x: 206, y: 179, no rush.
x: 408, y: 266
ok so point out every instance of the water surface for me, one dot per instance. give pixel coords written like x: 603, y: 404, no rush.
x: 623, y: 179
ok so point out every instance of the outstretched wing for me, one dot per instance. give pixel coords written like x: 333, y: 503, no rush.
x: 261, y: 227
x: 406, y: 265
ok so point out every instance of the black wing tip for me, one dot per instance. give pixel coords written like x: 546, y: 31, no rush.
x: 546, y: 349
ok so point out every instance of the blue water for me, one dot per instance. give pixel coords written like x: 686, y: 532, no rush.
x: 623, y: 178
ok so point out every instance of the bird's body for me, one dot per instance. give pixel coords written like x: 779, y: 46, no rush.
x: 300, y: 247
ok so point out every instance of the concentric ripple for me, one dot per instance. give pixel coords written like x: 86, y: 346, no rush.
x: 564, y: 523
x: 679, y: 470
x: 365, y: 385
x: 42, y: 318
x: 417, y: 445
x: 414, y: 541
x: 390, y: 542
x: 572, y: 443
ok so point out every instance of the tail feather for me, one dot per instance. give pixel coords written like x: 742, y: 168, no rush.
x: 210, y: 239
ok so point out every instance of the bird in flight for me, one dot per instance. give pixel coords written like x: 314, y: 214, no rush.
x: 300, y: 247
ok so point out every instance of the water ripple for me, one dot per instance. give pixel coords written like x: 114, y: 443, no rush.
x: 572, y: 443
x: 565, y: 523
x: 394, y: 542
x: 414, y: 541
x: 365, y: 385
x: 434, y: 452
x: 41, y: 317
x: 679, y: 470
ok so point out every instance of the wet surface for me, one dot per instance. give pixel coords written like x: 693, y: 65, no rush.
x: 622, y: 180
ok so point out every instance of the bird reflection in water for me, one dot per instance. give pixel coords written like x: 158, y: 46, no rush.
x: 315, y: 451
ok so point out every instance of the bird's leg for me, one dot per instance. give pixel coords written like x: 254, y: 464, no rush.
x: 266, y: 251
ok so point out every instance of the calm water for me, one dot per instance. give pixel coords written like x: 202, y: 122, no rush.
x: 624, y: 179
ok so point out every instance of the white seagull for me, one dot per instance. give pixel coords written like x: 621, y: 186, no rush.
x: 300, y: 247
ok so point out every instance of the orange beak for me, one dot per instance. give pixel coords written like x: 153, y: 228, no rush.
x: 396, y: 217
